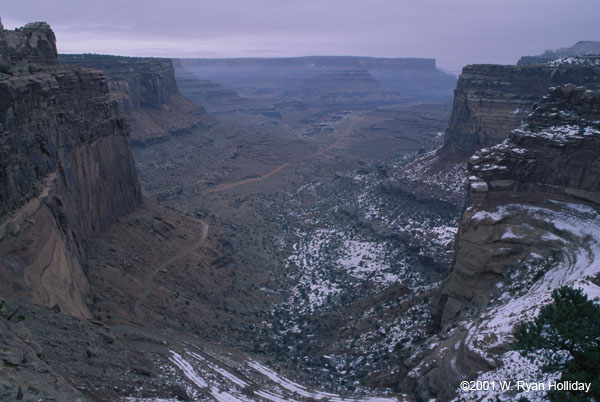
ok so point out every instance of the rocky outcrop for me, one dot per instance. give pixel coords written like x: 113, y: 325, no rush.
x: 581, y: 48
x: 147, y: 94
x: 492, y: 100
x: 554, y: 156
x: 531, y: 225
x: 24, y: 372
x: 66, y: 170
x: 34, y: 43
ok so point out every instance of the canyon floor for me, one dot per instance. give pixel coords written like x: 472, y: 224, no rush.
x: 324, y: 254
x: 284, y: 249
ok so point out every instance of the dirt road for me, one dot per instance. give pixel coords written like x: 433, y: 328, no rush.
x: 148, y: 279
x: 279, y: 168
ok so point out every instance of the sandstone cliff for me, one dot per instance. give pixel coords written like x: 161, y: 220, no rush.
x: 532, y: 225
x: 554, y: 156
x: 34, y: 43
x: 491, y: 100
x: 147, y: 94
x: 66, y: 169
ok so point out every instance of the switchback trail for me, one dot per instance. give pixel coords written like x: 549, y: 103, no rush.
x: 148, y: 279
x: 279, y: 168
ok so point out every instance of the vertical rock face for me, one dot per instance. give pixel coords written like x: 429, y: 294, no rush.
x: 34, y: 43
x: 491, y: 100
x: 532, y: 225
x: 147, y: 94
x: 66, y: 169
x: 555, y: 156
x: 135, y: 81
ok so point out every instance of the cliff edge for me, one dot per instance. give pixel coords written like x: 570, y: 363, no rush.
x: 66, y: 169
x: 147, y: 94
x: 554, y: 156
x: 532, y: 225
x: 491, y: 100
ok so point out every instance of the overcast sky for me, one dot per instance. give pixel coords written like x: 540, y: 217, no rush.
x: 455, y: 32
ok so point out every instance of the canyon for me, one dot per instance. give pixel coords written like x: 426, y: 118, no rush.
x: 60, y: 132
x: 286, y: 229
x: 492, y: 100
x: 530, y: 226
x: 147, y: 94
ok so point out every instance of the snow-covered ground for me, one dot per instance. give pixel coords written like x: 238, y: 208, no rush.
x: 208, y: 378
x: 332, y: 253
x: 577, y: 227
x: 514, y: 368
x: 330, y: 259
x: 560, y: 134
x: 450, y: 179
x: 355, y: 238
x: 592, y: 61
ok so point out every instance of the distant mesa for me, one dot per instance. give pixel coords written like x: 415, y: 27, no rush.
x: 319, y: 63
x: 581, y: 48
x: 304, y: 78
x: 210, y: 94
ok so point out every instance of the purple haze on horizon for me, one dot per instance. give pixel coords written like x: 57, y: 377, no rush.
x: 455, y: 32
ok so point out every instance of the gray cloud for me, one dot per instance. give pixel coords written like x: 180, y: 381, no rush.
x: 454, y: 32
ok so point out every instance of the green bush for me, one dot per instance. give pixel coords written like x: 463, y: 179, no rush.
x: 565, y: 336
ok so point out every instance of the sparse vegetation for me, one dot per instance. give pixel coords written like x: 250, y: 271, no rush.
x: 565, y: 336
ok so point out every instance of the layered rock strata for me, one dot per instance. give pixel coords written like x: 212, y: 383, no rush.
x: 66, y: 169
x: 555, y: 155
x: 532, y: 225
x: 147, y: 94
x: 211, y: 95
x: 491, y: 100
x: 308, y: 79
x: 34, y: 43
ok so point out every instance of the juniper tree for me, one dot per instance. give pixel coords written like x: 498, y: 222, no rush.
x: 565, y: 336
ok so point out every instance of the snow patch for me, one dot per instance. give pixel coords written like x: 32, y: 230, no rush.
x: 580, y: 226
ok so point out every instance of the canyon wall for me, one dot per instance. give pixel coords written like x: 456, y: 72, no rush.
x: 34, y: 43
x: 66, y: 169
x: 147, y: 95
x: 554, y: 156
x: 491, y: 100
x: 532, y: 224
x: 380, y: 81
x: 213, y: 96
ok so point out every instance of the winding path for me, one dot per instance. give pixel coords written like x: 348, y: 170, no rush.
x: 148, y: 279
x: 251, y: 180
x: 279, y: 168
